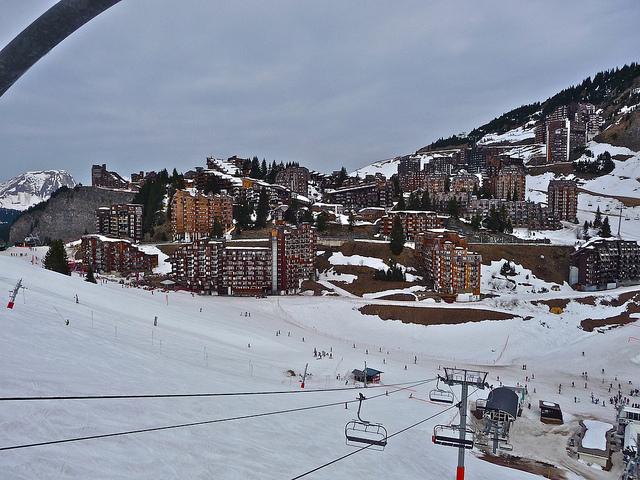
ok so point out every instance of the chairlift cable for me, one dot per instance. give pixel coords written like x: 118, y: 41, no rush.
x: 195, y: 395
x: 168, y: 427
x: 369, y: 446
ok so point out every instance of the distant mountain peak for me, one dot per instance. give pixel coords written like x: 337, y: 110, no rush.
x: 31, y: 188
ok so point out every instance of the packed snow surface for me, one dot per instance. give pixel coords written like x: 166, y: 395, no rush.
x: 251, y: 353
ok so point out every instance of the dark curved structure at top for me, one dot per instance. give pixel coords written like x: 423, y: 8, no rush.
x: 35, y: 41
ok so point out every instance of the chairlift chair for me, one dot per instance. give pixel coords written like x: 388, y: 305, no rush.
x: 361, y: 432
x: 449, y: 435
x: 507, y: 447
x: 441, y: 396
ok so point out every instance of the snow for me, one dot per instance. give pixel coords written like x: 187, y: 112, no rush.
x: 164, y: 266
x: 339, y: 258
x: 518, y: 134
x: 523, y: 283
x: 595, y: 436
x: 31, y: 188
x: 387, y: 168
x: 205, y: 344
x: 332, y: 276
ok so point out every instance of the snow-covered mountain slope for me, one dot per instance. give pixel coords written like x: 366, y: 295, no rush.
x: 211, y: 345
x: 31, y: 188
x: 385, y: 167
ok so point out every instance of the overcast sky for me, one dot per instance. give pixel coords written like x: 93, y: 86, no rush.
x: 152, y: 84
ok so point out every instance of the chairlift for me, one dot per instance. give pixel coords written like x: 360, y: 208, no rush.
x: 449, y: 435
x: 441, y: 396
x: 361, y: 432
x: 507, y: 447
x: 481, y: 441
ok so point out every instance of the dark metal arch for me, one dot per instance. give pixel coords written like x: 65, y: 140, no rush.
x: 39, y: 38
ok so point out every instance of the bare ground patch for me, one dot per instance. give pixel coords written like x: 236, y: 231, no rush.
x: 546, y: 262
x: 543, y: 469
x: 553, y: 302
x: 433, y: 316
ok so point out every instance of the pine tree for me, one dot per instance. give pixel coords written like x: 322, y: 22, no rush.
x: 242, y: 214
x: 321, y: 221
x: 352, y: 220
x: 414, y: 201
x: 217, y: 231
x: 400, y: 205
x: 262, y: 210
x: 56, y: 258
x: 453, y: 208
x: 597, y: 222
x: 341, y: 177
x: 255, y: 169
x: 425, y: 202
x: 397, y: 238
x: 211, y: 185
x: 90, y: 275
x: 263, y: 169
x: 476, y: 221
x: 292, y: 212
x: 605, y: 230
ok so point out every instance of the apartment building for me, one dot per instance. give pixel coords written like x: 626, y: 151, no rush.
x: 120, y: 221
x: 246, y: 270
x: 525, y: 214
x: 275, y: 265
x: 101, y: 177
x: 464, y: 182
x: 413, y: 222
x: 448, y: 263
x: 198, y: 265
x: 562, y: 199
x: 603, y: 263
x: 106, y: 254
x: 374, y: 194
x: 435, y: 183
x: 293, y: 253
x: 568, y: 128
x: 510, y: 183
x: 295, y: 179
x: 413, y: 181
x: 408, y: 165
x: 193, y: 214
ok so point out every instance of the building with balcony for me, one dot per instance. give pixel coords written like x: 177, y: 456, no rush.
x: 120, y: 221
x: 374, y: 194
x: 562, y: 199
x: 193, y: 215
x: 413, y: 222
x: 101, y: 177
x: 448, y: 263
x: 107, y: 254
x: 275, y: 265
x: 603, y: 263
x: 295, y: 179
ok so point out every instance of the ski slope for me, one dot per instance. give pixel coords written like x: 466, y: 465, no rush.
x: 223, y: 345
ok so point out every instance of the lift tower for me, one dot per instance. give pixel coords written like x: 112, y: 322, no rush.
x: 446, y: 434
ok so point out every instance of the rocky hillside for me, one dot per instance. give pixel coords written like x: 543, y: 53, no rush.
x: 66, y: 215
